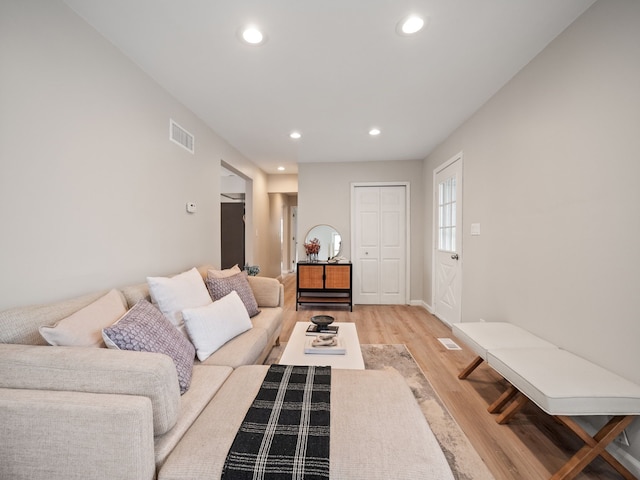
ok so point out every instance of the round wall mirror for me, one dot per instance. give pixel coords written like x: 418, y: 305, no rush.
x: 330, y: 241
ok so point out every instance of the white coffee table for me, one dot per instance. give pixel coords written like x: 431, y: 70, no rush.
x: 294, y: 351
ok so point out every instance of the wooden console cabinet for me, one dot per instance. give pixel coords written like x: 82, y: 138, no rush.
x: 324, y: 284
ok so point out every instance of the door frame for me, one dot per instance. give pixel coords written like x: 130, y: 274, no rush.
x: 407, y: 222
x: 434, y: 227
x: 293, y: 237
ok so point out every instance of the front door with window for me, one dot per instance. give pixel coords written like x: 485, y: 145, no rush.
x: 448, y: 241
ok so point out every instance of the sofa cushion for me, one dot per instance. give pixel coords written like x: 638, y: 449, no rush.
x: 145, y: 329
x: 213, y: 325
x: 266, y: 291
x: 220, y: 287
x: 95, y: 370
x: 174, y: 294
x: 205, y: 382
x: 197, y: 456
x: 244, y: 349
x: 84, y: 327
x: 134, y: 293
x: 270, y: 320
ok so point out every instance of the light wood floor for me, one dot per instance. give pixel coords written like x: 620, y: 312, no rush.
x: 531, y: 446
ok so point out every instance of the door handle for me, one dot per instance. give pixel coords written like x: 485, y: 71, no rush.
x: 455, y: 256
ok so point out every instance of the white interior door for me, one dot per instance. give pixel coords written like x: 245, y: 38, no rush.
x: 379, y: 239
x: 448, y: 241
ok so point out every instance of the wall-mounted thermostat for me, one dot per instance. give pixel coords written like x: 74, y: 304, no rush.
x: 191, y: 207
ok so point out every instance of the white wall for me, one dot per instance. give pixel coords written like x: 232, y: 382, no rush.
x: 551, y: 173
x: 324, y: 197
x: 92, y: 192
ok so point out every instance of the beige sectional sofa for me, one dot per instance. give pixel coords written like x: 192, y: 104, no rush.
x: 96, y: 413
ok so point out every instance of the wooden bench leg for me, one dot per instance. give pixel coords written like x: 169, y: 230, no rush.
x: 519, y: 402
x: 498, y: 405
x: 594, y: 446
x: 470, y: 368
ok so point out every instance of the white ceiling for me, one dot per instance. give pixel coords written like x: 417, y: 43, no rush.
x: 331, y: 69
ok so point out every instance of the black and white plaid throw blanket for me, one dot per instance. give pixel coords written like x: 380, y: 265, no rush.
x: 285, y: 434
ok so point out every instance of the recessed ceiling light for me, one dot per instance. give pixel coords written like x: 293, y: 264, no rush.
x: 374, y: 131
x: 295, y: 135
x: 281, y: 169
x: 252, y: 35
x: 410, y: 25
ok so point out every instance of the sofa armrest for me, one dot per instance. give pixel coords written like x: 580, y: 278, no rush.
x: 95, y: 370
x: 269, y: 292
x: 75, y: 435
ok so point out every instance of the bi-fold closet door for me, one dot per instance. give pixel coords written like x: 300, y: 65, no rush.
x: 380, y: 243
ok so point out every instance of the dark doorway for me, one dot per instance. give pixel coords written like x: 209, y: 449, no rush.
x: 232, y: 234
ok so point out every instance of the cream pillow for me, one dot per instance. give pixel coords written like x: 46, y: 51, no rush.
x: 84, y: 327
x: 228, y: 272
x: 212, y: 326
x: 174, y: 294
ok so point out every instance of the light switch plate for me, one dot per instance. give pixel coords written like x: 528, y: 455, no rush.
x: 475, y: 229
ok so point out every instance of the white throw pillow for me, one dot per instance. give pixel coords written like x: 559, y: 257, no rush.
x: 84, y: 327
x: 174, y: 294
x: 212, y: 326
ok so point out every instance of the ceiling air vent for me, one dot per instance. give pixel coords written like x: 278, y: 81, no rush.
x: 179, y: 135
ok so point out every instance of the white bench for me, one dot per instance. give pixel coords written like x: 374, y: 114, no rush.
x: 484, y: 336
x: 562, y: 384
x: 565, y: 385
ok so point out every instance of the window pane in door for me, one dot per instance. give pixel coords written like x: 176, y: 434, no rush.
x: 452, y: 247
x: 447, y: 215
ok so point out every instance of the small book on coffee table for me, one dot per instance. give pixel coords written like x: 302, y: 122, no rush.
x: 326, y: 330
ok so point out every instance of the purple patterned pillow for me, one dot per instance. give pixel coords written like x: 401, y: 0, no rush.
x: 145, y: 329
x: 221, y: 287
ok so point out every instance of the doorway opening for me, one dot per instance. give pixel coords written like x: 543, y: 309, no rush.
x: 232, y: 219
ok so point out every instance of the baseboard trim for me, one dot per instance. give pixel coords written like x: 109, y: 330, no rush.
x: 423, y: 304
x: 625, y: 458
x: 620, y: 453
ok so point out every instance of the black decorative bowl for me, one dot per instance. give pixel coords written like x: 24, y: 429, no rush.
x: 322, y: 320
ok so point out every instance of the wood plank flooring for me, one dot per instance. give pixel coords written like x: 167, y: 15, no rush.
x: 532, y: 446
